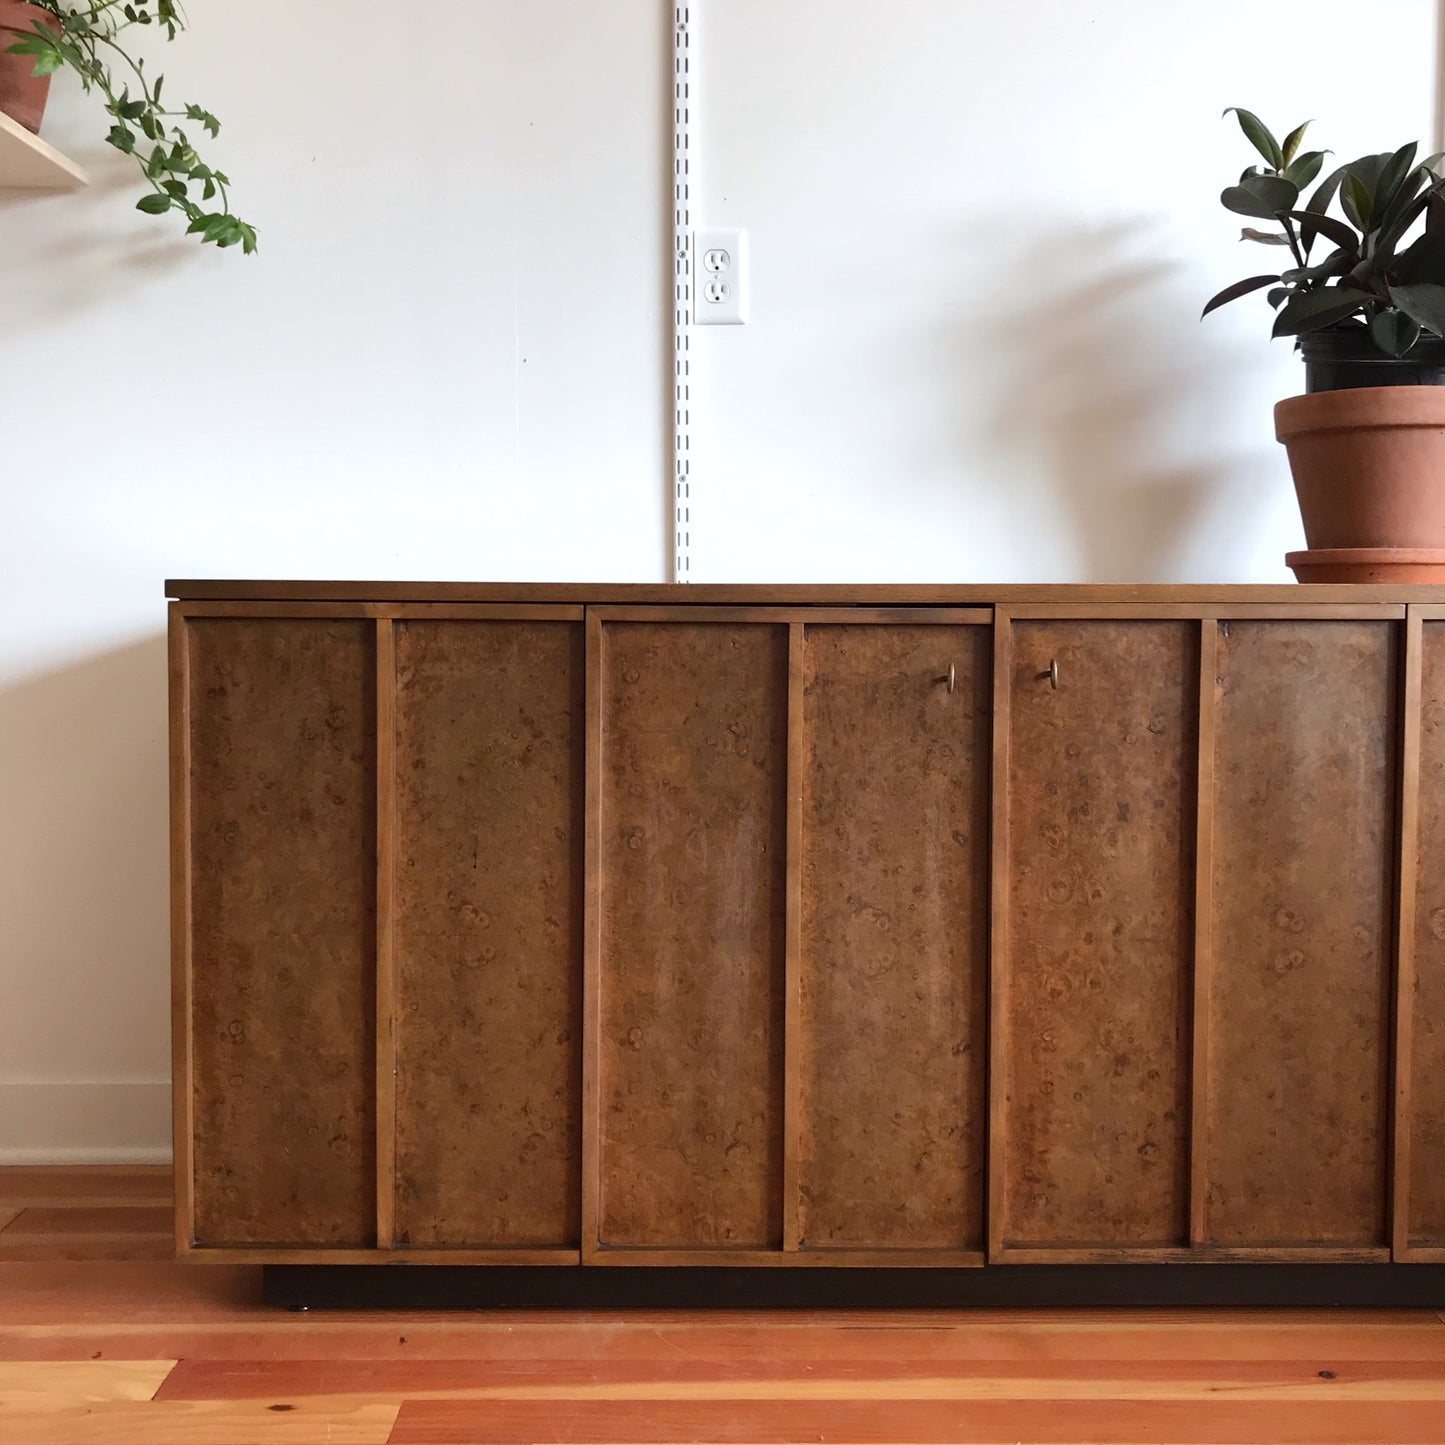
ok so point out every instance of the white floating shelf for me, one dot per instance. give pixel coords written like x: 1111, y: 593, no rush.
x: 29, y: 163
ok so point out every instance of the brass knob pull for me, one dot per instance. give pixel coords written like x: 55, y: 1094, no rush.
x: 949, y: 677
x: 1053, y: 673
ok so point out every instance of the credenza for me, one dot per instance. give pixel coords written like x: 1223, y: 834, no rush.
x: 875, y: 926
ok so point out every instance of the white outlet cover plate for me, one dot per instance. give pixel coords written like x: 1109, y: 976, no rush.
x: 720, y: 277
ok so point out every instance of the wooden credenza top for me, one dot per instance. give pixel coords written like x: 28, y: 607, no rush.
x: 888, y: 594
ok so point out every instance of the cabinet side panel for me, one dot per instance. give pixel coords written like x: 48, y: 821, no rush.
x: 282, y: 736
x: 694, y: 747
x: 488, y: 938
x: 1101, y: 885
x: 894, y: 936
x: 1303, y: 895
x: 1426, y: 1223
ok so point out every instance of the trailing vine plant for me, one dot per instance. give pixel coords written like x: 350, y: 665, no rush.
x: 85, y: 38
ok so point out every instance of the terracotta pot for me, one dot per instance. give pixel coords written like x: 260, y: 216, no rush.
x: 1368, y: 465
x: 22, y: 94
x: 1369, y: 564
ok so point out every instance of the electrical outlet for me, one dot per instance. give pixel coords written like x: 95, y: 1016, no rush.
x: 720, y: 279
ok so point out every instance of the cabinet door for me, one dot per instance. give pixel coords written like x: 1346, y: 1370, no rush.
x: 1094, y: 937
x: 691, y: 820
x: 487, y: 933
x: 277, y: 721
x: 892, y: 958
x: 1420, y: 1201
x: 1303, y: 884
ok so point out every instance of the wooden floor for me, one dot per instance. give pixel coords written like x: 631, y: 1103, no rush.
x: 105, y: 1341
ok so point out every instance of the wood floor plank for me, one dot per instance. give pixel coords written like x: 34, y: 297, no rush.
x: 1043, y: 1422
x: 78, y: 1382
x: 22, y: 1185
x: 672, y: 1377
x: 332, y: 1421
x: 41, y: 1221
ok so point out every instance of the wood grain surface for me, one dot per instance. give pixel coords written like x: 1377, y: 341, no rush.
x: 1100, y: 887
x: 1426, y: 1220
x: 692, y: 828
x: 282, y: 839
x: 1307, y: 722
x: 894, y: 946
x: 488, y: 936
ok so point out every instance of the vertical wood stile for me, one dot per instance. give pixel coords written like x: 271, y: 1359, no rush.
x: 592, y: 947
x: 793, y: 1102
x: 182, y: 1094
x: 1203, y: 934
x: 998, y: 930
x: 1407, y: 864
x: 385, y: 933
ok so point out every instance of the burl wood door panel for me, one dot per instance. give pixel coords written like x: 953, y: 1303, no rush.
x: 488, y: 931
x: 1303, y: 884
x: 692, y: 832
x: 1425, y: 1218
x: 894, y: 937
x: 282, y: 948
x: 1096, y: 981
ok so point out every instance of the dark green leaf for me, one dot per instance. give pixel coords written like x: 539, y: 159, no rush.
x: 1305, y: 168
x: 1432, y: 163
x: 1233, y: 293
x: 1292, y: 142
x: 1335, y: 264
x: 1424, y: 260
x: 1325, y: 192
x: 1423, y: 301
x: 122, y: 138
x: 175, y: 188
x: 248, y: 239
x: 1280, y: 293
x: 1264, y: 196
x: 1265, y: 238
x: 1310, y: 310
x: 1392, y: 176
x: 1259, y: 136
x: 1330, y: 226
x: 1355, y: 197
x: 132, y: 109
x: 154, y: 204
x: 1394, y: 331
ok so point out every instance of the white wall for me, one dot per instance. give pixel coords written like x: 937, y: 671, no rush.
x: 417, y: 376
x: 981, y: 235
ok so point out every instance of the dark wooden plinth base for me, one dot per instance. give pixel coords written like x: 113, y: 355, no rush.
x: 421, y: 1286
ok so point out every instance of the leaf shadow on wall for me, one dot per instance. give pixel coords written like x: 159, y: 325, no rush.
x: 103, y: 248
x: 1110, y: 393
x: 83, y: 875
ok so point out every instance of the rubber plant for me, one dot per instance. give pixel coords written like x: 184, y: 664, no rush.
x: 86, y: 38
x: 1378, y: 271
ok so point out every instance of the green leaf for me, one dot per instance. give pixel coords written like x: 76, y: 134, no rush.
x: 1280, y: 293
x: 1233, y: 293
x: 1264, y: 196
x: 1291, y: 143
x: 1311, y: 310
x: 1395, y: 332
x: 1265, y: 238
x: 122, y: 138
x: 1319, y: 203
x: 1303, y: 170
x: 1432, y: 163
x: 1259, y: 136
x: 154, y: 204
x: 175, y: 188
x: 1394, y: 174
x: 1335, y: 264
x: 1423, y: 260
x: 1356, y: 197
x: 248, y: 239
x: 1424, y: 302
x: 1330, y: 226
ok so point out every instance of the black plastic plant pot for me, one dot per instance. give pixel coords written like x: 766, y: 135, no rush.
x: 1341, y: 358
